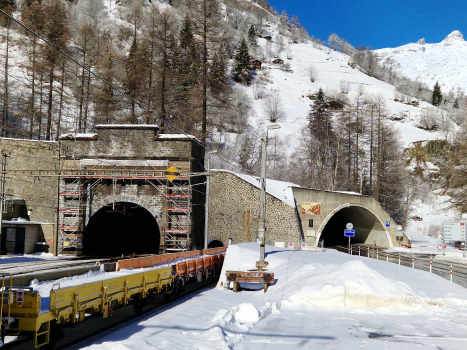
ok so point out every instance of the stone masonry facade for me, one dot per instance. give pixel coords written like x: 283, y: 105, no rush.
x: 43, y: 191
x: 234, y: 208
x: 25, y: 158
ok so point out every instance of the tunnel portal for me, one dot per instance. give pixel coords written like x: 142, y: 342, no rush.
x: 125, y: 228
x: 368, y: 229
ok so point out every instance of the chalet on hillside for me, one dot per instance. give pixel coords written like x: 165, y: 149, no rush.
x: 256, y: 64
x: 278, y: 61
x: 335, y: 105
x: 268, y: 37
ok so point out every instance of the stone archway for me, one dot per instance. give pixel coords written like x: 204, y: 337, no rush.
x: 123, y: 228
x: 369, y: 229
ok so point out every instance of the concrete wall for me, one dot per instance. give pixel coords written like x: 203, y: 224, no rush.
x: 234, y: 207
x: 360, y: 207
x: 33, y: 234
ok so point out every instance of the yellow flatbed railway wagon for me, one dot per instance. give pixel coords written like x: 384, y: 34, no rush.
x: 22, y: 314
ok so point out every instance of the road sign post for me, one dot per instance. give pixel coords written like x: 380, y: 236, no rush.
x: 454, y: 231
x: 399, y: 234
x: 349, y: 232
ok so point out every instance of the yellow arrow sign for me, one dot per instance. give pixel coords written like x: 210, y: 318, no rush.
x: 172, y: 173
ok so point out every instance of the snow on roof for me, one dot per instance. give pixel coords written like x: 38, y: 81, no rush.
x: 279, y: 189
x: 78, y: 136
x: 349, y: 192
x: 27, y: 140
x: 176, y: 136
x: 127, y: 126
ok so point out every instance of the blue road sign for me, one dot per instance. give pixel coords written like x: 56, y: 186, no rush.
x: 349, y: 233
x: 388, y: 223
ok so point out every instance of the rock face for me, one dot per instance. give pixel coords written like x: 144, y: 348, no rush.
x: 454, y: 36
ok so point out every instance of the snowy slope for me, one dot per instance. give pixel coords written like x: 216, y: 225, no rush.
x: 445, y: 62
x: 332, y: 68
x: 319, y: 301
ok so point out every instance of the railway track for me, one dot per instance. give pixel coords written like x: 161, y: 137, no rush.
x: 81, y: 334
x: 21, y: 268
x: 99, y: 304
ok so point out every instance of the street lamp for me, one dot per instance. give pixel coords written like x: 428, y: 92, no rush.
x: 261, y: 264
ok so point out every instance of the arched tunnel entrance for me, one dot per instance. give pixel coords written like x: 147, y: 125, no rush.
x: 368, y: 229
x: 215, y: 244
x: 127, y: 229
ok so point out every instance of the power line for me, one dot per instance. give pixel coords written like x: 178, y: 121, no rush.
x: 110, y: 84
x: 99, y: 77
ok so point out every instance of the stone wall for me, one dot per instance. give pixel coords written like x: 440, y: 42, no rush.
x: 40, y: 193
x: 234, y: 208
x: 129, y: 142
x: 115, y: 142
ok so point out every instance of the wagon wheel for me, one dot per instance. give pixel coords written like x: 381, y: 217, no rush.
x: 138, y: 304
x: 111, y: 310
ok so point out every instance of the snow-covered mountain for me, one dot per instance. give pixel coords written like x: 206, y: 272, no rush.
x: 332, y: 68
x: 445, y: 62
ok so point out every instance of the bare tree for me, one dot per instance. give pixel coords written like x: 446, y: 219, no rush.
x: 334, y: 42
x: 273, y: 105
x: 344, y: 86
x: 312, y: 73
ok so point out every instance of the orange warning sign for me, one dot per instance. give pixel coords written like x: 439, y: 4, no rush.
x: 19, y: 297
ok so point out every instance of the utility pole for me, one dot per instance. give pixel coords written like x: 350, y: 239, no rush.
x: 262, y: 264
x: 2, y: 194
x: 57, y: 209
x: 206, y: 208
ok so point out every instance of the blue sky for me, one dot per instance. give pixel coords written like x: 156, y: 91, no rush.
x: 378, y: 24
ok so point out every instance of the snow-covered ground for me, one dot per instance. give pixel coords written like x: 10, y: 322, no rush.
x: 319, y: 301
x: 444, y: 62
x: 332, y: 67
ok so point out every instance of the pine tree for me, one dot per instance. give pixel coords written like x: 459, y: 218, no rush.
x: 252, y: 35
x: 437, y: 95
x: 319, y: 119
x: 242, y: 68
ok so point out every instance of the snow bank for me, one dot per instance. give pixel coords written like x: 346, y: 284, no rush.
x: 351, y: 285
x: 344, y: 282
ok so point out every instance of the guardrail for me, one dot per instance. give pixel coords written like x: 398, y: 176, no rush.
x: 455, y: 272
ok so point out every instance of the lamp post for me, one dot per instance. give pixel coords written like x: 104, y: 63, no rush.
x: 261, y: 264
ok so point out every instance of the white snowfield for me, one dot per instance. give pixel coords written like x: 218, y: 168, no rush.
x: 332, y: 68
x: 319, y: 301
x: 445, y: 62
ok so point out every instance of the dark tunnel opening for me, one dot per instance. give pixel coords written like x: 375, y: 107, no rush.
x: 215, y: 244
x: 127, y: 229
x: 362, y: 219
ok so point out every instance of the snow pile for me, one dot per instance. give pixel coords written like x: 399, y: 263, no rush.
x: 319, y: 301
x: 347, y: 285
x: 351, y: 285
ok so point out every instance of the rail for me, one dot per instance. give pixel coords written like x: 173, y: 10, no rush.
x: 71, y: 305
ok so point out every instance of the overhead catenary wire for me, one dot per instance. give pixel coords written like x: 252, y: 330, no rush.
x: 141, y: 105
